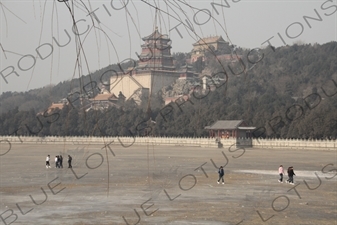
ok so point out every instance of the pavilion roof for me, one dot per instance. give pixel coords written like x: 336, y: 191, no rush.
x: 225, y: 125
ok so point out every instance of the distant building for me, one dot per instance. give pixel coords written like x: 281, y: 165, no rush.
x: 229, y: 57
x: 156, y: 53
x: 102, y: 102
x: 204, y: 44
x: 55, y: 106
x: 154, y: 71
x: 230, y: 129
x: 168, y: 100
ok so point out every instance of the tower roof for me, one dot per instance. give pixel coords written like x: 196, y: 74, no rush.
x: 156, y: 35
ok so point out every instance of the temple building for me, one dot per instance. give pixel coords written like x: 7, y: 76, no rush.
x: 103, y: 101
x: 156, y: 53
x: 155, y: 70
x: 230, y: 129
x: 204, y: 44
x: 55, y: 106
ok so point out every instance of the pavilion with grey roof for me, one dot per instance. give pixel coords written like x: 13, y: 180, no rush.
x: 230, y: 129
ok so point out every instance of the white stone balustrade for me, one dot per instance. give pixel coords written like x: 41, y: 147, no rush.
x: 178, y: 141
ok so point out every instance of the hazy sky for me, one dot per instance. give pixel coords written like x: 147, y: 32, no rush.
x: 32, y: 30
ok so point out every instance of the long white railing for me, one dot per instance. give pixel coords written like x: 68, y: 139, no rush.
x: 177, y: 141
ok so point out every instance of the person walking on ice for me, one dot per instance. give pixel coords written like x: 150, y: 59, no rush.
x: 291, y: 175
x: 221, y: 174
x: 60, y: 161
x: 280, y: 172
x: 288, y: 171
x: 48, y: 161
x: 69, y: 161
x: 56, y: 161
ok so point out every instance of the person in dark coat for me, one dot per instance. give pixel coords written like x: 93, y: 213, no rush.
x: 221, y: 174
x: 291, y: 175
x: 60, y: 161
x: 69, y: 161
x: 288, y: 172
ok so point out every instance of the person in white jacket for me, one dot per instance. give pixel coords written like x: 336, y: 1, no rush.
x: 48, y: 161
x: 56, y: 161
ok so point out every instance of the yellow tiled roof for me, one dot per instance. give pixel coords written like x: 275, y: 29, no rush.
x: 55, y: 106
x: 209, y: 40
x: 104, y: 97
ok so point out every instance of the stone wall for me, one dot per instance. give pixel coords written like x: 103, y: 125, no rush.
x: 176, y: 141
x: 123, y: 141
x: 124, y: 84
x: 153, y: 80
x: 295, y: 144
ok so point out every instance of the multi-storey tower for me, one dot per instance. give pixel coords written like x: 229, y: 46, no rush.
x: 156, y: 53
x: 155, y: 69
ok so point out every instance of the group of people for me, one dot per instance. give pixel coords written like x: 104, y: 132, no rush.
x: 58, y: 161
x: 290, y: 172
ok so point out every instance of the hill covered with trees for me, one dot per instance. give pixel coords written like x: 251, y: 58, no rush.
x: 290, y: 93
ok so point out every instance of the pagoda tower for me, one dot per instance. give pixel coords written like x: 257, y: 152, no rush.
x: 155, y: 70
x: 156, y: 53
